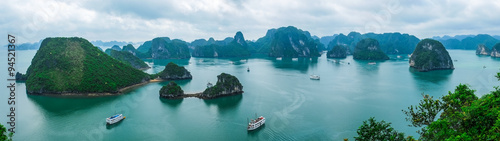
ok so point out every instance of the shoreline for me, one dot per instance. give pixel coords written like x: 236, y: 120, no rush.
x: 119, y: 91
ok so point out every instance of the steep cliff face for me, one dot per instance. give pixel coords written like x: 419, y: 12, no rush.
x: 369, y: 49
x: 338, y: 51
x: 482, y: 50
x: 171, y: 90
x: 230, y: 47
x: 495, y: 52
x: 174, y: 72
x: 430, y: 55
x: 293, y: 42
x: 226, y: 85
x: 174, y: 49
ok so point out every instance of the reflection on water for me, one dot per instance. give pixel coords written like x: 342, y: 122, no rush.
x: 68, y: 105
x: 301, y: 64
x: 171, y: 102
x: 436, y: 76
x: 226, y: 103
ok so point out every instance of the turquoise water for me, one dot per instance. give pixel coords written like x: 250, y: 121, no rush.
x: 295, y: 107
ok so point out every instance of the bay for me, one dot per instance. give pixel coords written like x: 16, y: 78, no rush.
x: 296, y: 107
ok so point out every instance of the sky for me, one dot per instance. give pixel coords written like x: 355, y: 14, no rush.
x: 142, y: 20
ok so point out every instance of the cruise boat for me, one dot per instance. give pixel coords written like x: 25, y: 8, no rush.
x: 372, y: 63
x: 279, y: 58
x: 314, y: 77
x: 254, y: 124
x: 114, y: 119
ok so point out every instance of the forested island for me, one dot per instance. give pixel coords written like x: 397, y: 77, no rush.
x: 74, y: 66
x: 430, y: 55
x: 369, y: 49
x: 226, y: 85
x: 237, y: 47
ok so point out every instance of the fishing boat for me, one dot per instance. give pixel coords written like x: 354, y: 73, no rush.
x: 248, y: 69
x: 314, y: 77
x: 372, y: 63
x: 279, y: 58
x: 256, y: 123
x: 114, y: 119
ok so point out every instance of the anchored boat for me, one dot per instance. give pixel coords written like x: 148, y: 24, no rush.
x: 114, y: 119
x: 256, y: 123
x: 314, y: 77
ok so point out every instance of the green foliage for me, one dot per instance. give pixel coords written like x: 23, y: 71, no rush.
x: 171, y: 90
x: 390, y: 43
x: 463, y: 117
x: 430, y: 54
x: 127, y: 58
x: 236, y: 47
x: 368, y: 49
x: 225, y: 82
x: 424, y: 113
x: 292, y: 42
x: 74, y: 65
x: 3, y: 134
x: 338, y: 51
x: 163, y: 48
x: 372, y: 130
x: 173, y: 71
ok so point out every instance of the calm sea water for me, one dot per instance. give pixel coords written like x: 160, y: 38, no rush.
x: 296, y: 107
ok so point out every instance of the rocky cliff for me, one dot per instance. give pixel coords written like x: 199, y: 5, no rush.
x: 495, y: 51
x: 369, y: 49
x: 482, y: 50
x: 236, y: 47
x: 430, y: 55
x: 338, y: 51
x: 171, y: 90
x: 226, y: 85
x: 174, y: 72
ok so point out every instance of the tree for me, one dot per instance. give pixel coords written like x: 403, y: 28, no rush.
x: 372, y: 130
x: 424, y: 113
x: 3, y: 134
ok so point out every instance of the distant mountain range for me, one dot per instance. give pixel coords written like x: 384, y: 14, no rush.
x: 468, y: 42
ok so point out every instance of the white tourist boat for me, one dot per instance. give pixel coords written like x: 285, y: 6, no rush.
x: 279, y: 58
x: 314, y: 77
x: 372, y: 63
x: 254, y: 124
x: 114, y: 119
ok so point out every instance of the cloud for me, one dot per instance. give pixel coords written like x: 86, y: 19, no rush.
x: 193, y: 19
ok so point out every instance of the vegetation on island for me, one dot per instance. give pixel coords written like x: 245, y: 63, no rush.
x: 495, y: 51
x: 338, y: 51
x: 430, y: 55
x: 164, y: 48
x: 127, y: 58
x: 174, y: 72
x: 483, y: 50
x: 461, y: 115
x: 74, y: 65
x: 369, y: 49
x: 171, y: 90
x: 226, y: 85
x: 390, y: 43
x: 237, y: 47
x: 287, y: 42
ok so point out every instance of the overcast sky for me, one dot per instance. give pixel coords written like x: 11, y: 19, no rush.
x: 141, y: 20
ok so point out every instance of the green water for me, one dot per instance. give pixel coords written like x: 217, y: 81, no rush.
x: 296, y: 107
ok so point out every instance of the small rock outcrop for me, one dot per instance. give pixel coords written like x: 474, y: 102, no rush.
x: 482, y: 50
x: 338, y: 51
x: 495, y: 52
x: 174, y: 72
x: 171, y: 90
x: 430, y: 55
x: 369, y: 49
x: 226, y: 85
